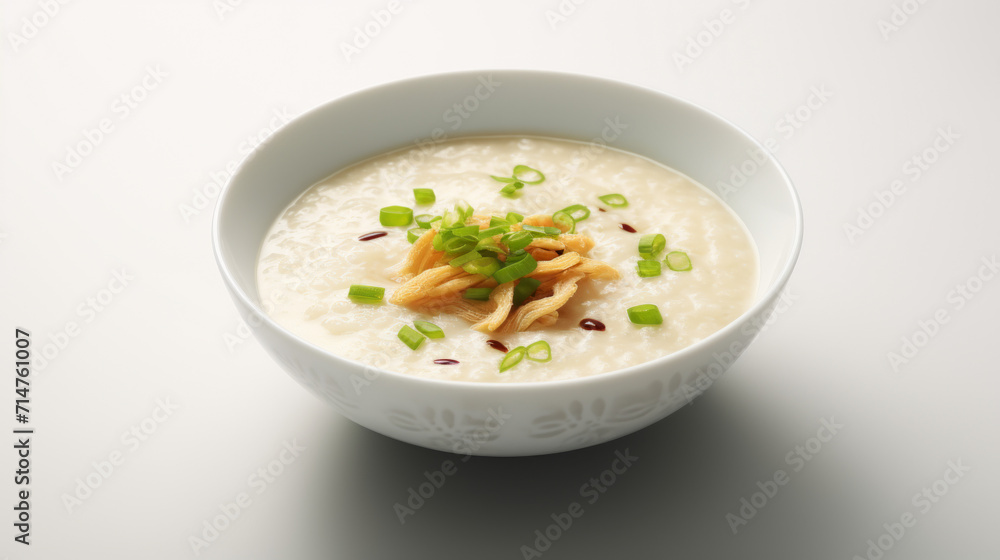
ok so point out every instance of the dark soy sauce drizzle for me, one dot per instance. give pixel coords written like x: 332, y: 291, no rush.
x: 602, y: 209
x: 497, y: 345
x: 446, y: 362
x: 592, y: 325
x: 627, y: 228
x: 373, y: 235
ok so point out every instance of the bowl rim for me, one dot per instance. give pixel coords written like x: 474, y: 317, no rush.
x: 781, y: 279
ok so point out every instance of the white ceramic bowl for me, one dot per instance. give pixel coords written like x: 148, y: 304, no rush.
x: 515, y: 418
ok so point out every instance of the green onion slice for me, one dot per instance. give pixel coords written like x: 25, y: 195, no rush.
x: 614, y: 200
x: 646, y: 314
x: 514, y: 217
x: 579, y: 212
x: 503, y: 179
x: 517, y: 240
x: 522, y: 169
x: 564, y: 221
x: 679, y: 261
x: 412, y: 235
x: 457, y: 245
x: 424, y: 196
x: 438, y: 241
x: 487, y: 266
x: 515, y: 256
x: 410, y: 337
x: 510, y: 189
x: 465, y: 209
x: 512, y: 358
x: 516, y: 270
x: 471, y: 232
x: 478, y: 294
x: 430, y: 330
x: 452, y: 219
x: 651, y: 244
x: 525, y: 289
x: 365, y: 294
x: 466, y: 258
x: 425, y: 220
x: 395, y: 216
x: 541, y: 230
x: 497, y: 221
x: 492, y: 231
x: 489, y: 245
x: 535, y: 348
x: 647, y: 269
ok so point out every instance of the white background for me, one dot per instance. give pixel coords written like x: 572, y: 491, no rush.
x: 171, y: 335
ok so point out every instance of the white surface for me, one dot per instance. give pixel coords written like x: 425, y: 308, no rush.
x: 165, y: 335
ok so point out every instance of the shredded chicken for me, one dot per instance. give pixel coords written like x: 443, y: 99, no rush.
x: 431, y: 285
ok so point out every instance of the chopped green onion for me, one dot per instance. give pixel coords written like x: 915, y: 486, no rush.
x: 512, y: 358
x: 614, y: 200
x: 438, y: 241
x: 651, y: 244
x: 410, y: 337
x: 424, y: 220
x: 515, y: 256
x: 452, y: 219
x: 579, y: 212
x: 478, y: 294
x: 486, y: 266
x: 365, y: 294
x: 468, y: 257
x: 503, y: 179
x: 465, y: 209
x: 517, y: 240
x: 679, y: 261
x: 646, y: 314
x: 516, y: 270
x: 471, y: 232
x: 541, y: 230
x: 412, y: 235
x: 514, y: 217
x: 535, y: 348
x: 520, y: 169
x: 430, y: 330
x: 525, y: 289
x: 511, y: 188
x: 564, y: 219
x: 395, y: 216
x: 647, y: 269
x: 424, y: 196
x: 492, y: 231
x: 488, y: 244
x: 497, y: 221
x: 457, y: 245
